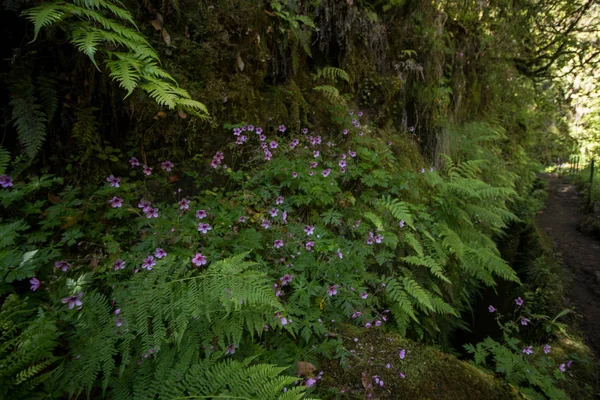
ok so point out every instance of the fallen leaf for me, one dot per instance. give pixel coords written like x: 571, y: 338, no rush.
x: 174, y: 178
x: 156, y: 24
x: 182, y: 114
x: 166, y: 37
x: 240, y: 63
x: 160, y: 114
x: 305, y: 368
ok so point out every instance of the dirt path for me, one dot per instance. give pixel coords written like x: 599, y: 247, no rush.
x: 579, y: 253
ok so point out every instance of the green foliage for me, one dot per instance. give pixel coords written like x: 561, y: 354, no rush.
x: 104, y: 27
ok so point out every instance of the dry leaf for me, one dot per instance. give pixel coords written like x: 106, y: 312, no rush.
x: 182, y: 114
x: 240, y: 63
x: 174, y: 178
x: 166, y: 37
x: 366, y: 381
x: 160, y: 114
x: 186, y: 32
x: 159, y: 17
x: 156, y: 24
x: 306, y: 369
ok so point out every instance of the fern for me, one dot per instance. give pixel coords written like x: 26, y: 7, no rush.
x: 333, y: 74
x: 331, y: 93
x: 4, y: 159
x: 91, y: 26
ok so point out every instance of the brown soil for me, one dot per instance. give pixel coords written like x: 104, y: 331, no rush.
x: 579, y: 253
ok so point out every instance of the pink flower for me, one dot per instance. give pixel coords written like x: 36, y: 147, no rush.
x: 250, y: 128
x: 279, y: 200
x: 134, y: 162
x: 265, y: 223
x: 152, y: 213
x: 364, y: 295
x: 62, y: 265
x: 351, y: 153
x: 167, y: 165
x: 258, y: 130
x: 316, y: 153
x: 287, y: 278
x: 262, y: 138
x: 35, y: 284
x: 342, y: 164
x: 326, y: 172
x: 294, y: 143
x: 356, y: 314
x: 528, y: 350
x: 273, y: 213
x: 277, y: 244
x: 116, y: 202
x: 284, y: 217
x: 332, y: 290
x: 73, y: 301
x: 547, y: 349
x: 294, y: 174
x: 491, y: 309
x: 230, y: 349
x: 519, y: 301
x: 204, y: 228
x: 112, y: 181
x: 309, y: 229
x: 309, y: 245
x: 237, y: 131
x: 339, y: 254
x: 119, y: 264
x: 524, y: 321
x: 159, y: 253
x: 147, y: 170
x: 242, y: 219
x: 314, y: 164
x: 273, y: 144
x: 281, y: 128
x: 199, y: 260
x: 305, y: 130
x: 378, y: 239
x: 184, y: 204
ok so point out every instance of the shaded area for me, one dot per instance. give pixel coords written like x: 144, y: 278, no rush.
x: 579, y: 253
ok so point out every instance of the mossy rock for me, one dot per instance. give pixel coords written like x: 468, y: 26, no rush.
x: 590, y: 225
x: 427, y: 372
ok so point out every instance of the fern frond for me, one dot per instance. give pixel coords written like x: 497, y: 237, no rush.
x: 330, y: 92
x: 4, y: 160
x: 27, y: 116
x: 44, y: 15
x: 334, y: 73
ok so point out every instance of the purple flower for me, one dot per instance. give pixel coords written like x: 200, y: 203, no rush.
x: 184, y: 204
x: 134, y: 162
x: 230, y: 349
x: 310, y: 382
x: 204, y: 228
x: 167, y: 165
x: 305, y: 130
x: 294, y: 174
x: 356, y: 314
x: 294, y: 143
x: 345, y: 131
x: 368, y: 325
x: 411, y: 129
x: 250, y: 128
x: 364, y: 295
x: 430, y: 169
x: 401, y: 224
x: 73, y: 301
x: 525, y: 321
x: 283, y: 320
x: 528, y: 350
x: 151, y: 212
x: 147, y: 170
x: 547, y: 349
x: 402, y: 354
x: 309, y: 229
x: 219, y: 155
x: 116, y: 202
x: 145, y: 205
x: 265, y: 223
x: 326, y: 172
x: 119, y: 264
x: 201, y: 214
x: 118, y: 322
x: 402, y: 375
x: 112, y: 181
x: 316, y: 153
x: 63, y: 265
x: 339, y: 254
x: 562, y: 367
x: 491, y: 309
x: 284, y: 217
x: 262, y: 138
x: 569, y: 363
x: 378, y: 323
x: 279, y: 200
x: 519, y: 301
x: 148, y: 263
x: 332, y: 290
x: 237, y: 131
x: 273, y: 213
x: 281, y: 128
x: 342, y: 163
x: 268, y: 155
x: 159, y: 253
x: 258, y: 130
x: 35, y: 284
x: 277, y: 244
x: 309, y: 245
x: 242, y: 219
x: 287, y: 278
x: 351, y: 153
x: 360, y: 113
x: 314, y: 164
x: 199, y: 260
x: 422, y: 170
x: 378, y: 239
x: 273, y: 144
x: 351, y: 112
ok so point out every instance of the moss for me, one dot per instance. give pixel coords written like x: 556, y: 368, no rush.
x: 429, y: 373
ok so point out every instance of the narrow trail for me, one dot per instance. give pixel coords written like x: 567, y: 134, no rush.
x: 580, y: 254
